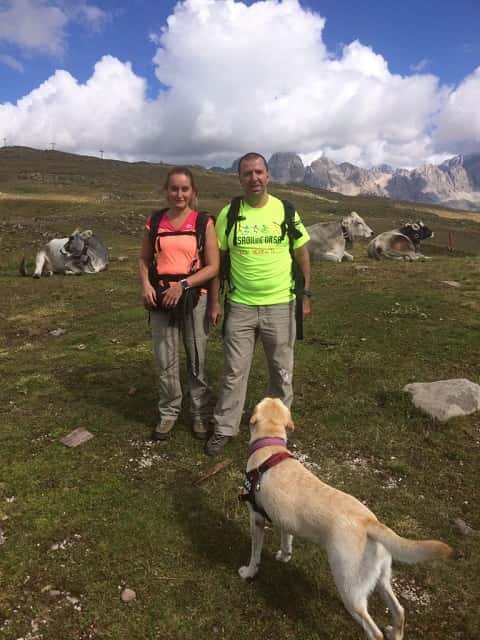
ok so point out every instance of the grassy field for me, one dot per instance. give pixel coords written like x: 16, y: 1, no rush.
x: 79, y: 525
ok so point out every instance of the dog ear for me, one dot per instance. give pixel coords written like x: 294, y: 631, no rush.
x: 253, y: 418
x: 290, y: 425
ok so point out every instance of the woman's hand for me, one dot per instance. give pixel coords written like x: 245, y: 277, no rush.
x: 172, y: 295
x: 214, y: 311
x: 149, y: 296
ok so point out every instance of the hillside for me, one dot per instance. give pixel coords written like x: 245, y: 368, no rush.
x: 91, y: 188
x: 77, y: 525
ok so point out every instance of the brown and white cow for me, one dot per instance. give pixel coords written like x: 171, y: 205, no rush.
x: 400, y: 244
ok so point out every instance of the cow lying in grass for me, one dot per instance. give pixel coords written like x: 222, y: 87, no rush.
x: 81, y: 253
x: 328, y: 240
x: 400, y: 244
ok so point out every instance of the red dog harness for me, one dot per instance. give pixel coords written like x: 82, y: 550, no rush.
x: 254, y: 476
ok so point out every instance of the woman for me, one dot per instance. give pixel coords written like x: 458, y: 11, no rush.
x: 174, y: 261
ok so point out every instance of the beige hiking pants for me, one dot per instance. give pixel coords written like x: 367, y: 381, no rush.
x: 275, y: 326
x: 167, y: 362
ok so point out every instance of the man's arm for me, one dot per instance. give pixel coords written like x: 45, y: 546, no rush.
x: 302, y: 258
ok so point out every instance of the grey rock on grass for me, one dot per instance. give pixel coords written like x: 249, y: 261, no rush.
x: 445, y: 399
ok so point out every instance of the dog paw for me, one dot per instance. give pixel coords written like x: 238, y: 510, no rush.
x: 281, y: 556
x: 247, y: 572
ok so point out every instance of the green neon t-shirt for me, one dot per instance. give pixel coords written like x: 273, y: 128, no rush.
x: 260, y: 263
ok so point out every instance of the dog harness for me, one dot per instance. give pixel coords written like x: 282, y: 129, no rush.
x: 253, y: 477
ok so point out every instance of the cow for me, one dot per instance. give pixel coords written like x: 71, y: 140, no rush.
x: 400, y: 244
x: 81, y: 253
x: 328, y: 240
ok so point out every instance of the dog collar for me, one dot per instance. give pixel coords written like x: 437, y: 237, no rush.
x: 266, y: 442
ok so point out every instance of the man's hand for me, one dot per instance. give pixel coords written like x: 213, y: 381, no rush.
x: 307, y: 307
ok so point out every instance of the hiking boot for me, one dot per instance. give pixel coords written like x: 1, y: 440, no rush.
x: 216, y: 443
x: 164, y: 428
x: 199, y: 428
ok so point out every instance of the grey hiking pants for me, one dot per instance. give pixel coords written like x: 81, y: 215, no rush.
x: 167, y: 362
x: 275, y: 325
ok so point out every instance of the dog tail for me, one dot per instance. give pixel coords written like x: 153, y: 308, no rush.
x: 406, y: 550
x: 23, y: 267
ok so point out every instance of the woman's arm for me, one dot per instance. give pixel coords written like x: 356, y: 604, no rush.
x: 149, y: 296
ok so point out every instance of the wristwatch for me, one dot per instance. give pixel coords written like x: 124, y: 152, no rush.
x: 184, y: 284
x: 307, y: 293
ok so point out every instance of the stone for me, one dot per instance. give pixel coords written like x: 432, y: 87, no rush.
x: 128, y: 595
x: 462, y: 527
x: 445, y: 399
x: 76, y: 437
x: 57, y: 332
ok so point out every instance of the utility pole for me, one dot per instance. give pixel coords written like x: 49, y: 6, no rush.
x: 101, y: 153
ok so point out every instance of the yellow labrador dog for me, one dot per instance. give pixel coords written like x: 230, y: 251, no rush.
x: 359, y: 547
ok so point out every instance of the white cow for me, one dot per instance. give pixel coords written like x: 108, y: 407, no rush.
x: 400, y: 244
x: 328, y: 240
x: 81, y: 253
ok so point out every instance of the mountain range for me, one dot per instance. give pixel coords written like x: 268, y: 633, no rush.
x: 455, y: 183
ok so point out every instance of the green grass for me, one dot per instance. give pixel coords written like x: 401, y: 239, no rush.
x: 126, y: 512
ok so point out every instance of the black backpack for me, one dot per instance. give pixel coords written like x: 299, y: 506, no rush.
x: 287, y: 228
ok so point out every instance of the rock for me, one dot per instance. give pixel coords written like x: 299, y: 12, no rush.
x: 57, y: 332
x: 462, y: 527
x: 451, y: 283
x: 445, y: 399
x: 76, y: 437
x: 286, y: 167
x: 128, y: 595
x: 3, y: 538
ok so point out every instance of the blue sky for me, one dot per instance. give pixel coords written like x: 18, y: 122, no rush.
x: 205, y: 80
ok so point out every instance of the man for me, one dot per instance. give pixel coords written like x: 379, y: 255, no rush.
x: 261, y: 298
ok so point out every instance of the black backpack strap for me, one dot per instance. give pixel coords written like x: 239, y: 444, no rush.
x: 298, y: 282
x: 155, y: 219
x: 201, y: 231
x: 154, y: 224
x: 232, y: 217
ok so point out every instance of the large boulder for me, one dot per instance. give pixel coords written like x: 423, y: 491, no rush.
x: 445, y: 399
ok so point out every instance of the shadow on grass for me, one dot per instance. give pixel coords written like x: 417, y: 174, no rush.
x: 285, y: 589
x: 126, y: 390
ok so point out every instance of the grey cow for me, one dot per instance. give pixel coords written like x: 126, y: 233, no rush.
x: 81, y: 253
x: 328, y: 240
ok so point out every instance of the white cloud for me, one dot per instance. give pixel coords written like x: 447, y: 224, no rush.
x: 107, y: 109
x: 241, y: 77
x: 40, y: 25
x: 11, y: 62
x: 458, y: 124
x: 33, y: 24
x: 421, y: 65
